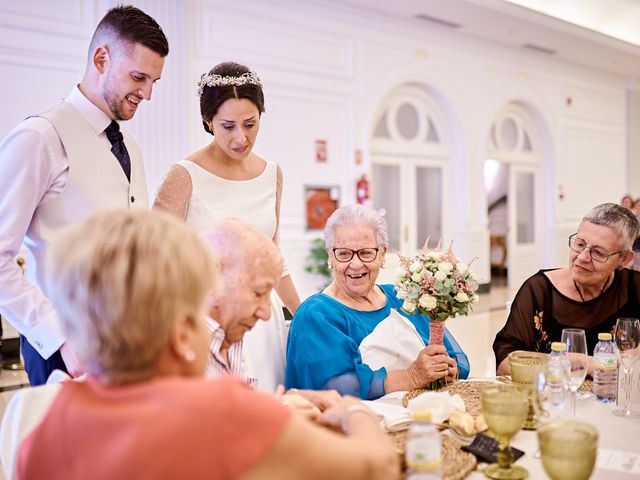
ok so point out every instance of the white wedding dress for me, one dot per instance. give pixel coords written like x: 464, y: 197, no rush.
x: 253, y: 201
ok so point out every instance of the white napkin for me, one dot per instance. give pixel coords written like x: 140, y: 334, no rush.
x: 393, y: 344
x: 395, y: 417
x: 440, y: 404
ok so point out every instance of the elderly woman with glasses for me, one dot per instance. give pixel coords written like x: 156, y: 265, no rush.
x: 590, y: 293
x: 325, y: 349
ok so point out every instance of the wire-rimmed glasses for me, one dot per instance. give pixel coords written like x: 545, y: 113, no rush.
x: 598, y: 254
x: 366, y: 255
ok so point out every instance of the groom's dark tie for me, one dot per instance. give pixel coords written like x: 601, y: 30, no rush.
x: 118, y: 147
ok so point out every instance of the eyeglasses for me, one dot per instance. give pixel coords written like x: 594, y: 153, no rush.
x: 598, y: 254
x: 365, y: 255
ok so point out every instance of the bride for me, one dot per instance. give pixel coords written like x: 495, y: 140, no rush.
x: 227, y: 179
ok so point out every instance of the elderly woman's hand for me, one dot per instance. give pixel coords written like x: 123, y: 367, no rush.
x: 323, y: 399
x: 431, y: 364
x: 453, y: 370
x: 338, y: 417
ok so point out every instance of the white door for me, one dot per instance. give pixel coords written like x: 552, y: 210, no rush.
x: 409, y: 193
x: 523, y: 260
x: 408, y: 161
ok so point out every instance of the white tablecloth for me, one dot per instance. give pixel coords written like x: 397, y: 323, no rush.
x: 614, y: 433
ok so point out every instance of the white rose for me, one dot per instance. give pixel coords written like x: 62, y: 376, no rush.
x: 462, y: 297
x: 415, y: 267
x: 408, y: 306
x: 475, y: 299
x: 428, y: 302
x: 400, y: 272
x: 473, y: 275
x: 445, y: 267
x: 462, y: 267
x: 417, y: 277
x: 440, y: 276
x: 434, y: 254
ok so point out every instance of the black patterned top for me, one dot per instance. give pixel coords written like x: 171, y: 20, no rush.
x: 539, y: 312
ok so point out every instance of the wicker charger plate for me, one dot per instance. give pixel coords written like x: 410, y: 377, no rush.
x: 469, y: 391
x: 586, y: 386
x: 456, y: 463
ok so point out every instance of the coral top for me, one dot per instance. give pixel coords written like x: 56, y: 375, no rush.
x: 163, y: 429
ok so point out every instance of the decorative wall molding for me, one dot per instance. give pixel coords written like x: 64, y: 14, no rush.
x: 41, y: 61
x: 66, y: 18
x: 595, y: 105
x: 295, y: 48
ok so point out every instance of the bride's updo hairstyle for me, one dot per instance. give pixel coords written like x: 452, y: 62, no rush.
x: 224, y: 81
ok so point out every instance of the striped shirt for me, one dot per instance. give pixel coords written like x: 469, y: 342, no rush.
x: 233, y: 364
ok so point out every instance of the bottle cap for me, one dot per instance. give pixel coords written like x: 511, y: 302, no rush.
x: 558, y: 346
x: 604, y: 336
x: 421, y: 415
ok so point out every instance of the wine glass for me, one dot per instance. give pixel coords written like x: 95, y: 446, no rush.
x: 568, y: 449
x: 577, y: 352
x: 504, y: 408
x: 627, y: 338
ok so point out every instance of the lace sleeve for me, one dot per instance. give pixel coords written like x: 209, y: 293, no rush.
x: 174, y: 193
x: 276, y: 237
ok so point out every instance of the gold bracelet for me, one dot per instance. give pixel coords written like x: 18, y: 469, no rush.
x: 355, y: 408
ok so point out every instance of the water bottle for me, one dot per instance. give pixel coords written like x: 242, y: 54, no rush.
x: 605, y: 369
x: 423, y: 449
x: 558, y: 374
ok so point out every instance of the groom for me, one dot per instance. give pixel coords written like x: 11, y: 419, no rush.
x: 61, y: 166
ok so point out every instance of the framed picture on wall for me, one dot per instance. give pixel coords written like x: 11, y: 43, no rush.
x: 321, y: 202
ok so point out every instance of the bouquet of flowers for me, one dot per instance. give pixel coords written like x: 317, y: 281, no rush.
x: 438, y: 284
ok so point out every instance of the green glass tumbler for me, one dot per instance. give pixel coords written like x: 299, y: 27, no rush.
x: 524, y: 367
x: 568, y: 449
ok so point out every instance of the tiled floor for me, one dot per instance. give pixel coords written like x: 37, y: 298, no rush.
x: 475, y: 334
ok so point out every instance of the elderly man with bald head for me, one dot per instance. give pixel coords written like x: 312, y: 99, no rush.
x: 251, y: 267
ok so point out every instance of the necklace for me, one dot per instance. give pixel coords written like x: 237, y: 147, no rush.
x: 606, y: 283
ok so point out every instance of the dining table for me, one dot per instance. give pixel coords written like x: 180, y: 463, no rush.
x: 618, y: 444
x: 618, y: 438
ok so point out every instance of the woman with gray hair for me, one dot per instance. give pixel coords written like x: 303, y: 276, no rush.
x: 331, y: 332
x: 590, y: 293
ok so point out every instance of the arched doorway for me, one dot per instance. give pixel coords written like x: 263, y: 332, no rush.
x: 409, y: 166
x: 513, y: 172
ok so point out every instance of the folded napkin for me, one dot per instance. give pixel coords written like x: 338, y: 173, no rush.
x: 393, y: 344
x: 394, y: 416
x: 440, y: 404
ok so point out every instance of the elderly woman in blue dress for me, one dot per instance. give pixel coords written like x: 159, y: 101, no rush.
x: 334, y: 332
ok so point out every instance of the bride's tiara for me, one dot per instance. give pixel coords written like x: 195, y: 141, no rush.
x: 214, y: 80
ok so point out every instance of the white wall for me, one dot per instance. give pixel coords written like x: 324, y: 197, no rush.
x: 325, y: 73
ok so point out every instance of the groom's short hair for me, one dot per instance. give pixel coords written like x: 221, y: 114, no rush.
x: 129, y: 24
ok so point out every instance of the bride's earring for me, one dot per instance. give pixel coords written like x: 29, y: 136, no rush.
x: 190, y: 356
